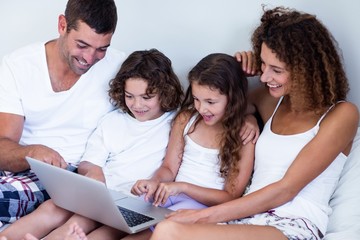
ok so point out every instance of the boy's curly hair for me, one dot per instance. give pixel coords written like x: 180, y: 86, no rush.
x: 155, y: 68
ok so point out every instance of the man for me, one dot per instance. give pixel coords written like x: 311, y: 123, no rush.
x: 51, y: 97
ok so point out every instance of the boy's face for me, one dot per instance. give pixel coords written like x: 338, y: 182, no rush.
x: 144, y: 107
x: 83, y: 47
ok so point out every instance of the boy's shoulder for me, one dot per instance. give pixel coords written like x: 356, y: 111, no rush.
x: 114, y: 115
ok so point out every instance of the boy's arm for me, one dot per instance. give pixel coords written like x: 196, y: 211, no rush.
x: 91, y: 170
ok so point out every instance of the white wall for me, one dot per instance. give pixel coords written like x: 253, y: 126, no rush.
x: 185, y: 30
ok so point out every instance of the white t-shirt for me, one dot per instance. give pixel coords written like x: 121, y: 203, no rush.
x: 64, y: 120
x: 127, y: 149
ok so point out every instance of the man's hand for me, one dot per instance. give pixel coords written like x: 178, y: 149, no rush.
x: 47, y: 155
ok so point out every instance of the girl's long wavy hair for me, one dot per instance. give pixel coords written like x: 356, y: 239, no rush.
x: 310, y: 53
x: 155, y: 68
x: 222, y: 72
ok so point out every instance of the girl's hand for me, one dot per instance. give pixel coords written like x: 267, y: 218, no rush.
x: 250, y: 130
x: 188, y: 216
x: 145, y: 186
x: 165, y: 190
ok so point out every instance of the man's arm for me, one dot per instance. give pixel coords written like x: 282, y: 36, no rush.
x: 12, y: 154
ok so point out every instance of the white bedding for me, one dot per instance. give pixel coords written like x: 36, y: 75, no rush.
x: 345, y: 219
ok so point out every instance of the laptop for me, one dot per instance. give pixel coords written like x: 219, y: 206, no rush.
x: 92, y: 199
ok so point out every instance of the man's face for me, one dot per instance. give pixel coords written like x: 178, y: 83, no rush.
x: 83, y: 47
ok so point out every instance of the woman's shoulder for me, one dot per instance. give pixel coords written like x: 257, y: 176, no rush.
x: 345, y: 111
x: 340, y: 123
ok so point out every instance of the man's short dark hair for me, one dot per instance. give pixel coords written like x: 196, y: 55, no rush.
x: 100, y: 15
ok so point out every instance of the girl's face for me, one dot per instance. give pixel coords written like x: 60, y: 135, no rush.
x: 144, y: 107
x: 274, y: 73
x: 210, y: 103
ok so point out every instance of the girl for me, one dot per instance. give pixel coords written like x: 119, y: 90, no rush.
x: 306, y: 139
x: 205, y: 155
x: 146, y: 93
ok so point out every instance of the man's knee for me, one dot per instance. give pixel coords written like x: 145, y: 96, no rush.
x: 49, y: 207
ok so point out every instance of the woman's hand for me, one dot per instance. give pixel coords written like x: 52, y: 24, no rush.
x: 189, y: 216
x: 246, y: 59
x: 250, y: 130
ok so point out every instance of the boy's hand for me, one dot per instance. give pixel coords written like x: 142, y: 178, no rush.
x: 145, y: 186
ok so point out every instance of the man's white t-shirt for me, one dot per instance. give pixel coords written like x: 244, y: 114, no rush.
x: 63, y: 120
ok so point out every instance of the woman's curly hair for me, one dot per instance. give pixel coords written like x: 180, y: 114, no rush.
x: 310, y: 53
x: 222, y: 72
x: 153, y: 67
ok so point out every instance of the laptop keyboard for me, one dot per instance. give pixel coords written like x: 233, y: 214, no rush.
x: 133, y: 218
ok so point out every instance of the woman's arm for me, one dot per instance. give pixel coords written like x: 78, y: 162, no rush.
x: 337, y: 130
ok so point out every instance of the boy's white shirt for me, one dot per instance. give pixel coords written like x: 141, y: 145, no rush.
x: 127, y: 149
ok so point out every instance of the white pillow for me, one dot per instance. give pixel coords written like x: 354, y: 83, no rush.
x: 344, y: 222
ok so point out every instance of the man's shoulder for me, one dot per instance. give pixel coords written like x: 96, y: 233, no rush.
x: 113, y: 54
x: 111, y: 63
x: 28, y: 50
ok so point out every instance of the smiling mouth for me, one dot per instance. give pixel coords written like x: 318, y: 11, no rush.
x: 207, y: 118
x: 140, y: 112
x: 274, y: 85
x: 82, y: 63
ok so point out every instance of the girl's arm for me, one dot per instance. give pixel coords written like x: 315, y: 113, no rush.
x: 335, y: 135
x: 170, y: 166
x: 91, y: 170
x: 210, y: 196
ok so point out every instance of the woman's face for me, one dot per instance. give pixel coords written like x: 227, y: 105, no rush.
x: 144, y: 107
x: 274, y: 73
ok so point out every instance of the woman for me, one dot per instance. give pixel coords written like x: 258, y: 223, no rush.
x: 300, y: 154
